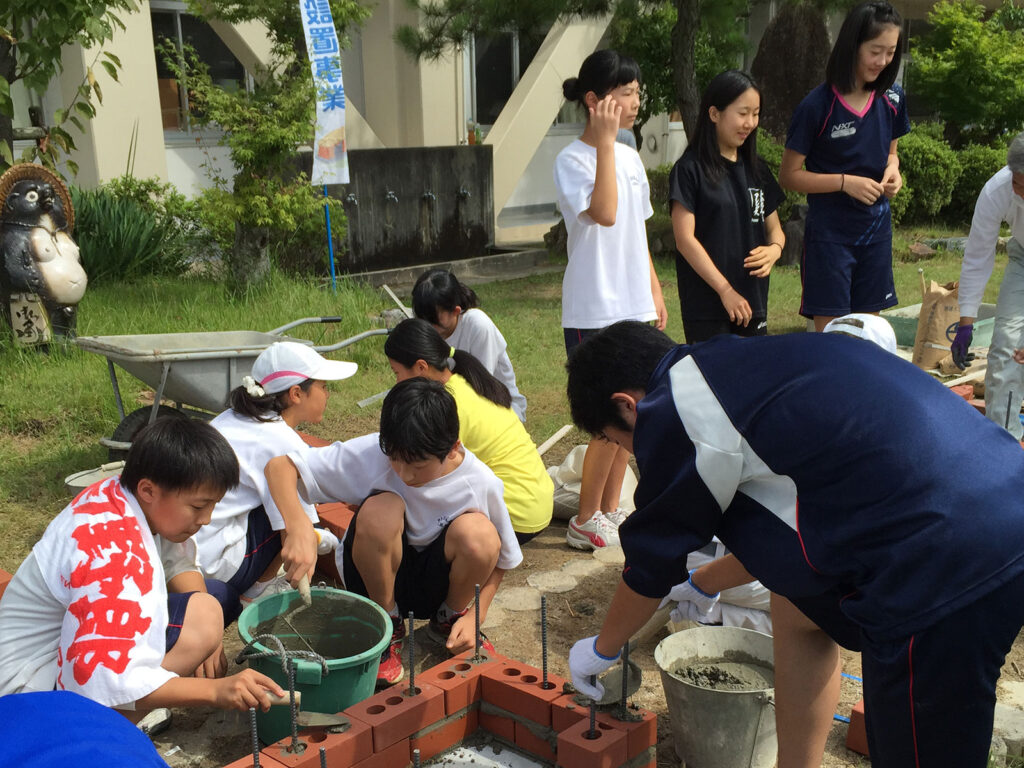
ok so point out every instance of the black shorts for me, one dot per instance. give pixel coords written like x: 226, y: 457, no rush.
x: 702, y: 330
x: 421, y: 584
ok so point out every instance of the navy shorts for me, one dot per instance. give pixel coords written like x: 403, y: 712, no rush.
x: 576, y: 336
x: 262, y: 545
x: 421, y: 584
x: 177, y: 604
x: 929, y: 698
x: 839, y: 279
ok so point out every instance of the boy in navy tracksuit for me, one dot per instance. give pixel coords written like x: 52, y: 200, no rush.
x: 835, y: 472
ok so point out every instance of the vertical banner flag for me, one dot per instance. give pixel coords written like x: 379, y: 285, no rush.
x: 330, y: 158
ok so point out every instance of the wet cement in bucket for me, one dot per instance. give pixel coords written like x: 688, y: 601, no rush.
x: 734, y: 672
x: 335, y: 628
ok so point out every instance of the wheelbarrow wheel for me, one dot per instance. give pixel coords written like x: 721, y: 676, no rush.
x: 131, y: 425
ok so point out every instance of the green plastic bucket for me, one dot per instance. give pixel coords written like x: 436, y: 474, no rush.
x: 336, y: 621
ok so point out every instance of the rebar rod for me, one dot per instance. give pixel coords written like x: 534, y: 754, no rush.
x: 255, y: 738
x: 412, y: 657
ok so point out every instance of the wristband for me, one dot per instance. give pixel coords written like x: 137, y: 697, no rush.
x: 602, y: 656
x: 778, y: 244
x: 698, y: 589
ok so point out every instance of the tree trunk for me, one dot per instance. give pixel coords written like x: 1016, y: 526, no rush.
x: 8, y: 64
x: 250, y: 257
x: 684, y: 73
x: 790, y: 61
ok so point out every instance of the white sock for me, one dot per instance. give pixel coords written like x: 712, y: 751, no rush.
x: 393, y: 612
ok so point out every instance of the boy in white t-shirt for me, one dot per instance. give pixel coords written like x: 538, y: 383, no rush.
x: 110, y: 602
x: 412, y: 546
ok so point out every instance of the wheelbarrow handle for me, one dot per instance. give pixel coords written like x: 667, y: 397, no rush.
x: 305, y: 321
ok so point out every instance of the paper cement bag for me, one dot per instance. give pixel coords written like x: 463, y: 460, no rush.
x: 940, y: 311
x: 567, y: 476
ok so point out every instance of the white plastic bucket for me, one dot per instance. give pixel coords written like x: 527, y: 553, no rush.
x: 719, y: 728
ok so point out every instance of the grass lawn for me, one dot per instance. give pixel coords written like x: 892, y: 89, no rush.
x: 54, y: 408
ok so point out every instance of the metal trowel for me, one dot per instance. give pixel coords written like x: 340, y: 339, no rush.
x: 612, y: 682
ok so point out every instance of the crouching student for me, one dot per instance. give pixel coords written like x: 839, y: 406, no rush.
x: 247, y: 538
x: 432, y: 523
x: 110, y: 604
x: 843, y: 506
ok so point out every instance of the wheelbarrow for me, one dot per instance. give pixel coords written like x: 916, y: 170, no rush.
x: 196, y: 371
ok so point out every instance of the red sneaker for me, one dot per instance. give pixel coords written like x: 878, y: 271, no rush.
x: 390, y: 670
x: 439, y: 631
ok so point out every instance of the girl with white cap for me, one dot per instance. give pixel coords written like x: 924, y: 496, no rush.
x: 248, y: 538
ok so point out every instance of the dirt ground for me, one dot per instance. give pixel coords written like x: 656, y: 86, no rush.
x: 207, y: 739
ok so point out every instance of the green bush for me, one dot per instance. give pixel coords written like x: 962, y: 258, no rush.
x: 294, y: 214
x: 770, y: 151
x: 658, y: 179
x: 121, y: 239
x: 931, y: 169
x: 978, y: 163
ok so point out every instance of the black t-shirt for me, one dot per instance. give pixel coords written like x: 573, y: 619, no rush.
x: 729, y: 215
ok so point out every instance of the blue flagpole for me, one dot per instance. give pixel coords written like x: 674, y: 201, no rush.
x: 330, y: 241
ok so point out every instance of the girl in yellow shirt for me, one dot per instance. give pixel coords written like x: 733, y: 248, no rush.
x: 488, y: 426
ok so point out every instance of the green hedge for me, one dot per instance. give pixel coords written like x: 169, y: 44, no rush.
x: 978, y: 163
x: 930, y: 169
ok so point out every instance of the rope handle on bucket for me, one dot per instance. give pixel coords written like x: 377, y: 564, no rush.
x: 247, y: 653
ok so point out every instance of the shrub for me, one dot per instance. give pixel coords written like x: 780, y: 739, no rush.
x: 770, y: 151
x: 978, y: 163
x: 931, y: 169
x: 295, y: 220
x: 121, y: 239
x: 658, y: 179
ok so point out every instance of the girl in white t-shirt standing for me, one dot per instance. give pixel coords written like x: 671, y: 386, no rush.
x: 604, y: 197
x: 452, y: 308
x: 248, y: 538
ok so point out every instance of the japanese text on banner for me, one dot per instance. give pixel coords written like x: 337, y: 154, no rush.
x: 330, y: 151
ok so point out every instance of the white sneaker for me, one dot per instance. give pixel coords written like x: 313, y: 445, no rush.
x: 272, y: 586
x: 328, y: 541
x: 597, y: 532
x: 618, y: 517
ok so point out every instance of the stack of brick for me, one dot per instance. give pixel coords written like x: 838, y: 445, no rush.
x: 460, y: 696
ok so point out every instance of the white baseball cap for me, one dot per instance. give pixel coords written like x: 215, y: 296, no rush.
x: 286, y: 363
x: 868, y: 327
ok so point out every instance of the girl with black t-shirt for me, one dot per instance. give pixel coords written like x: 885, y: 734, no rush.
x: 723, y: 200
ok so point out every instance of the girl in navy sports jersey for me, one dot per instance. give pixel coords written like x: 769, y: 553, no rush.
x: 724, y: 200
x: 841, y: 151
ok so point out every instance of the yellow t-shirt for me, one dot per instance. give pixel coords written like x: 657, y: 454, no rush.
x: 498, y: 438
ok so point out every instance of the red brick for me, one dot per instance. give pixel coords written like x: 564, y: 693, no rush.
x: 336, y: 517
x: 608, y: 750
x: 342, y: 748
x: 566, y: 712
x: 459, y: 678
x: 979, y: 404
x: 437, y: 738
x: 537, y: 741
x: 398, y: 755
x: 857, y: 733
x: 517, y: 688
x: 312, y: 440
x: 640, y: 734
x: 966, y: 391
x: 500, y: 725
x: 246, y: 762
x: 5, y: 579
x: 395, y: 715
